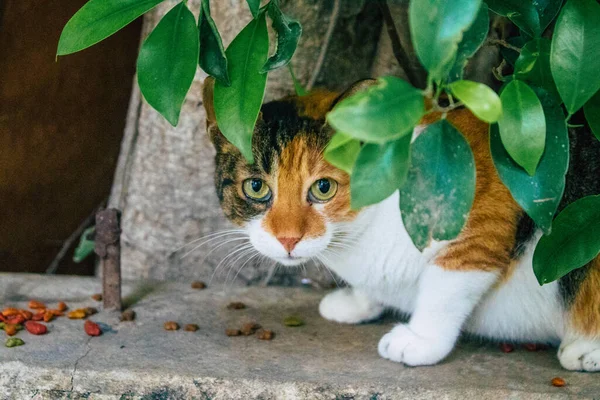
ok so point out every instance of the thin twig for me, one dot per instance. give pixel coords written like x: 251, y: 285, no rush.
x: 335, y: 12
x: 503, y: 43
x: 72, y: 238
x: 499, y: 70
x: 397, y: 48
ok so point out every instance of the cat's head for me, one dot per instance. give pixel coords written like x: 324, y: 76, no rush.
x: 293, y: 204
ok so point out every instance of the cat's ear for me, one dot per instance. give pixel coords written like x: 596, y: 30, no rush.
x: 207, y: 99
x: 353, y: 89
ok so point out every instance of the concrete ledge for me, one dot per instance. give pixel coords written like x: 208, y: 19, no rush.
x: 320, y: 360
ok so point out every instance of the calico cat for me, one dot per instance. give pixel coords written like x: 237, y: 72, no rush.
x: 295, y: 207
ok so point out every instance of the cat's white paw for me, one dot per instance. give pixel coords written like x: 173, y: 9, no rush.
x: 401, y: 344
x: 349, y: 306
x: 580, y: 355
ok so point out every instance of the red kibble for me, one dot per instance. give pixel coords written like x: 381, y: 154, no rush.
x: 38, y: 316
x: 16, y: 320
x: 92, y: 328
x: 35, y: 328
x: 506, y: 347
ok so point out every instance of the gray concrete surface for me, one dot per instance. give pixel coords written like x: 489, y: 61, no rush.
x: 320, y: 360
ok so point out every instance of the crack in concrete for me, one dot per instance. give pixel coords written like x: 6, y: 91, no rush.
x: 89, y: 348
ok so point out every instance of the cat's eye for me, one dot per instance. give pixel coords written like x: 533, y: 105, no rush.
x: 256, y: 189
x: 322, y: 190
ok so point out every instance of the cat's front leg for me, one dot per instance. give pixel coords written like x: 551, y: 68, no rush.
x: 349, y: 306
x: 444, y: 301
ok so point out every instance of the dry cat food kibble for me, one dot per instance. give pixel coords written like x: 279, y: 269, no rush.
x: 191, y: 328
x: 233, y: 332
x: 14, y: 342
x: 293, y: 321
x: 35, y: 328
x: 48, y: 316
x: 249, y: 328
x: 127, y: 315
x: 80, y: 313
x: 558, y: 382
x: 171, y: 326
x: 9, y: 312
x: 62, y: 306
x: 36, y: 305
x: 236, y: 305
x: 265, y: 334
x: 198, y: 285
x: 92, y: 328
x: 91, y: 311
x: 97, y: 297
x: 12, y: 329
x: 506, y: 347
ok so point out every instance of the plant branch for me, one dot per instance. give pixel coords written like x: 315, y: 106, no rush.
x: 503, y: 43
x: 397, y: 48
x: 71, y: 239
x: 335, y: 13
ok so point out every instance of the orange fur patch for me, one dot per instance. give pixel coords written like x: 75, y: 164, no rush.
x: 315, y: 104
x: 585, y: 311
x: 487, y: 240
x: 292, y: 215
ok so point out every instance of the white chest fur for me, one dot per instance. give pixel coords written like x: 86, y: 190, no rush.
x: 387, y: 267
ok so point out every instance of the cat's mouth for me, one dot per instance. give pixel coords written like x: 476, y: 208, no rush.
x: 290, y: 260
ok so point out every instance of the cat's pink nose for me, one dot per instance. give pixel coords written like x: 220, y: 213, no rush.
x: 288, y: 242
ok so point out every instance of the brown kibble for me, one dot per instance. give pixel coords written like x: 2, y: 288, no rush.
x: 507, y: 347
x: 97, y: 297
x: 198, y: 285
x: 62, y: 306
x: 233, y: 332
x: 92, y: 328
x: 236, y: 305
x: 77, y: 314
x: 171, y: 326
x: 10, y: 311
x: 48, y: 316
x: 38, y: 316
x: 265, y: 334
x: 558, y: 382
x: 36, y: 305
x: 249, y: 328
x: 57, y: 313
x: 26, y: 314
x: 16, y: 319
x: 191, y: 328
x: 91, y: 310
x: 10, y: 329
x: 127, y: 315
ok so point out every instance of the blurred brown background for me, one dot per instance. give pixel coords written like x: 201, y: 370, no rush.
x: 61, y: 125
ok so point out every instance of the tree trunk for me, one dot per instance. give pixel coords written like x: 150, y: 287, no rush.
x: 164, y: 179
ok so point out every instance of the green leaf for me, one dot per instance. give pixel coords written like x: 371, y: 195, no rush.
x: 86, y: 245
x: 533, y: 65
x: 539, y: 195
x: 167, y: 62
x: 341, y: 152
x: 298, y: 88
x: 478, y: 98
x: 522, y: 125
x: 511, y: 55
x: 523, y: 13
x: 574, y: 59
x: 547, y: 10
x: 472, y: 40
x: 574, y: 241
x: 592, y: 114
x: 254, y: 6
x: 288, y: 34
x: 385, y: 111
x: 97, y: 20
x: 438, y: 194
x: 212, y: 54
x: 237, y: 106
x: 379, y: 171
x: 436, y: 28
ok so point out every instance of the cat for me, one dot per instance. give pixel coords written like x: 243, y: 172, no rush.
x: 295, y: 206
